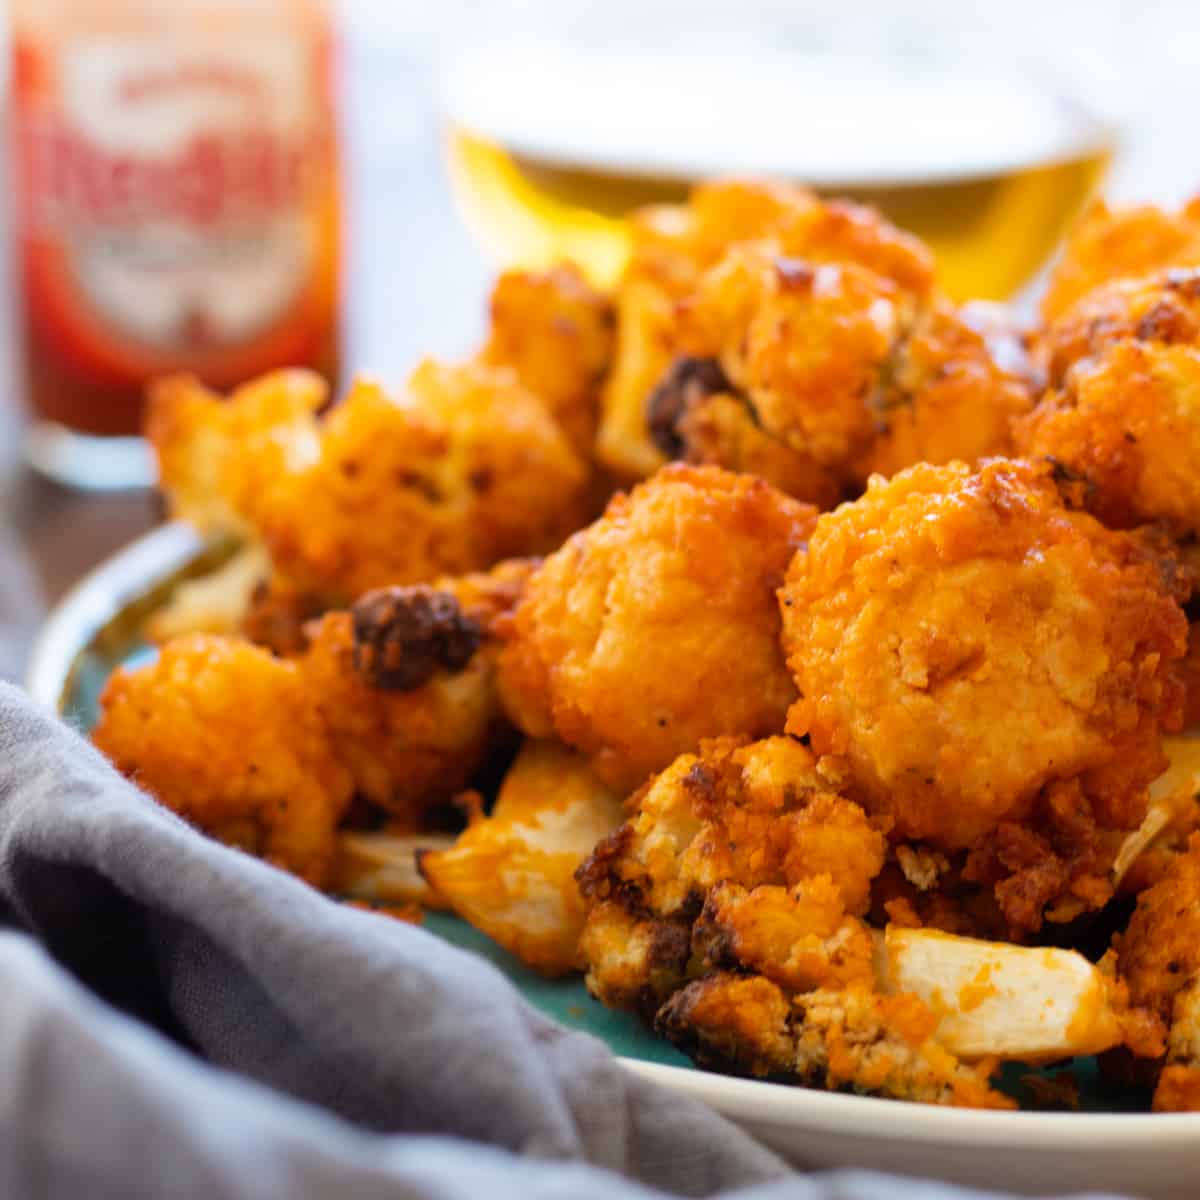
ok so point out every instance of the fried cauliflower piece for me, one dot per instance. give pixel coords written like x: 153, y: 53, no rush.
x: 1124, y: 434
x: 405, y: 684
x: 674, y: 245
x: 556, y: 332
x: 1162, y: 308
x: 656, y: 626
x: 225, y: 735
x: 695, y: 416
x: 464, y: 468
x: 950, y: 390
x: 805, y: 342
x: 511, y: 874
x: 800, y: 938
x: 214, y: 603
x: 1109, y: 244
x: 734, y: 814
x: 993, y: 671
x: 853, y: 1039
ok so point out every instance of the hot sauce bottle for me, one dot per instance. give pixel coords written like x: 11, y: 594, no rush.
x: 176, y: 196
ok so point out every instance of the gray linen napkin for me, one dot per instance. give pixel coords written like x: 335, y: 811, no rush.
x: 286, y: 1046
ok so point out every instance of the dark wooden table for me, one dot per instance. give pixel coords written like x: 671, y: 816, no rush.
x: 414, y: 285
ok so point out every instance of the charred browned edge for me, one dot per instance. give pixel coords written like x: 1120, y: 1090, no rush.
x: 279, y: 621
x: 688, y: 381
x: 402, y: 635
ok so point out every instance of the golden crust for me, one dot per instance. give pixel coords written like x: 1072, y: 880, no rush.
x: 655, y: 626
x: 464, y: 469
x: 224, y: 734
x: 1124, y: 432
x: 1110, y: 244
x: 751, y: 815
x: 672, y: 248
x: 512, y: 873
x: 852, y: 1039
x: 947, y: 618
x: 556, y: 332
x: 948, y: 394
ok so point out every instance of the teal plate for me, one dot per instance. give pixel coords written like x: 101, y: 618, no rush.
x: 1112, y: 1144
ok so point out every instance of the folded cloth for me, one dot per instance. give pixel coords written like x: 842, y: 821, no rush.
x: 286, y: 1046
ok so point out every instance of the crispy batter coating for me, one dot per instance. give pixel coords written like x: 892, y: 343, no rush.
x: 1159, y: 308
x: 1124, y: 433
x: 805, y: 342
x: 852, y: 1039
x: 1159, y: 952
x: 850, y: 372
x: 695, y: 416
x: 512, y: 873
x: 674, y: 245
x: 1113, y: 243
x: 413, y: 711
x: 750, y: 815
x: 465, y: 468
x: 992, y: 668
x: 951, y: 390
x: 800, y: 938
x: 556, y: 332
x: 225, y: 735
x: 655, y: 626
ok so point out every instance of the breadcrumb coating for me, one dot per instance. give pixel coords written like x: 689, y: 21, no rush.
x: 464, y: 468
x: 1114, y: 243
x: 672, y: 248
x: 655, y: 626
x: 1162, y: 308
x: 225, y: 734
x: 750, y: 815
x: 993, y: 669
x: 1124, y: 434
x: 511, y: 874
x: 847, y: 1040
x: 556, y: 332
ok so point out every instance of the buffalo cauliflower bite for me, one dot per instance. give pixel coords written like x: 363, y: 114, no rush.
x: 992, y: 670
x: 463, y: 468
x: 695, y: 416
x: 1110, y: 244
x: 655, y: 626
x: 672, y: 247
x: 226, y: 736
x: 851, y: 1039
x: 805, y: 343
x: 733, y: 814
x: 556, y: 332
x: 1159, y: 308
x: 950, y: 390
x: 511, y: 874
x: 1123, y: 433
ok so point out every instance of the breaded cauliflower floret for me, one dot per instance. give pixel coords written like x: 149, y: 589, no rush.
x: 674, y: 245
x: 1110, y: 244
x: 462, y: 469
x: 226, y: 735
x: 850, y: 1039
x: 512, y: 873
x: 695, y: 416
x: 1159, y: 308
x: 1124, y: 435
x: 405, y: 682
x: 556, y: 332
x: 749, y: 815
x: 805, y: 343
x: 655, y: 626
x: 993, y: 669
x: 950, y: 390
